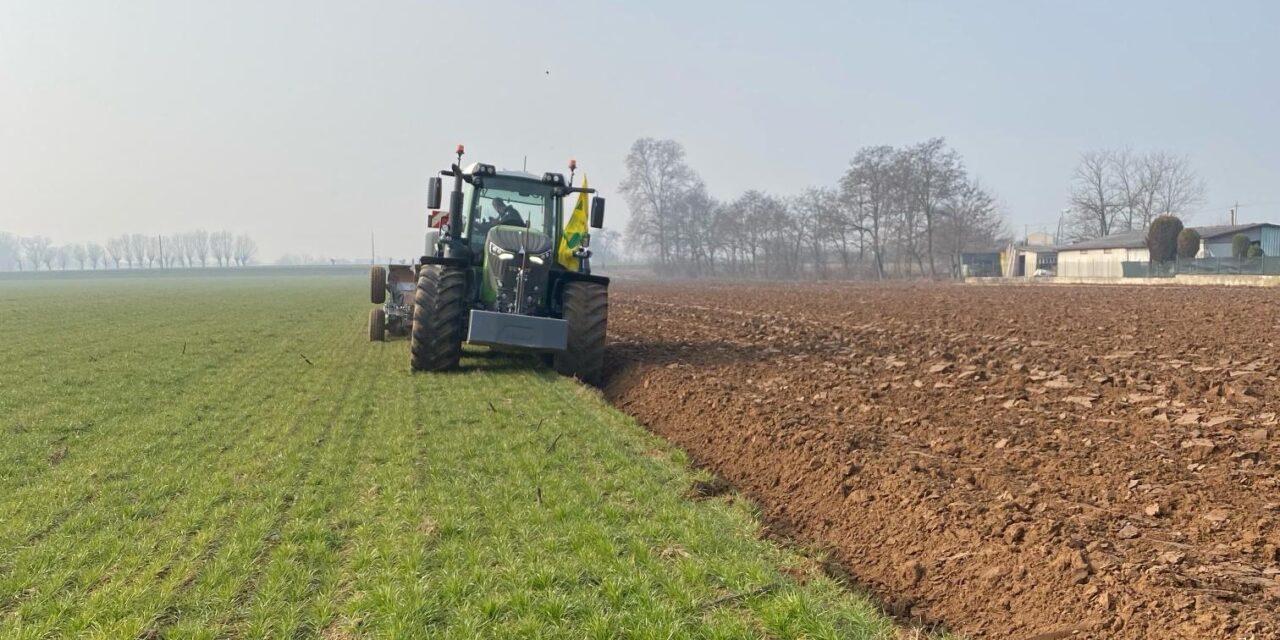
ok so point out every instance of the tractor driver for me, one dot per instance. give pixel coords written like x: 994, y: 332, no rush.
x: 507, y: 214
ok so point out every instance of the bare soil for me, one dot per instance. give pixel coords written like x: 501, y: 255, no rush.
x: 1010, y: 462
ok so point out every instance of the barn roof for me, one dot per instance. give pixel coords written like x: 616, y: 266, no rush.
x: 1125, y: 240
x: 1217, y: 231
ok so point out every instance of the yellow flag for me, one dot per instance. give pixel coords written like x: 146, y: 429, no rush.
x: 574, y: 231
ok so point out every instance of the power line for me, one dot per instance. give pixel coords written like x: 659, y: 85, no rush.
x: 1228, y: 207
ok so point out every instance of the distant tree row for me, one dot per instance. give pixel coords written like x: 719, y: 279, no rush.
x: 192, y: 249
x: 307, y: 259
x: 896, y: 212
x: 1114, y: 191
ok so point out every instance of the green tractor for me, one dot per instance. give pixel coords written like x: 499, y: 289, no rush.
x: 492, y: 275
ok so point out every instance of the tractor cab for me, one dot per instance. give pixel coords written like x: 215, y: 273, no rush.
x: 511, y: 199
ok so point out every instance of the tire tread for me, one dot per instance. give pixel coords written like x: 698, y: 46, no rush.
x: 377, y: 284
x: 438, y: 316
x: 377, y: 324
x: 586, y: 309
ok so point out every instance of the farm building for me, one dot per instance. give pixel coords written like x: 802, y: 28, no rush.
x: 1102, y: 257
x: 1028, y: 260
x: 1215, y: 241
x: 1018, y: 260
x: 980, y: 264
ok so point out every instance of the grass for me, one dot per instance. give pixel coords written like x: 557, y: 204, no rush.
x: 229, y: 457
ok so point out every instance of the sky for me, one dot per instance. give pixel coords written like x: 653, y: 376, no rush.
x: 313, y: 126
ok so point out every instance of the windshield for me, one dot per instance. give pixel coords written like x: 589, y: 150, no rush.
x: 510, y: 201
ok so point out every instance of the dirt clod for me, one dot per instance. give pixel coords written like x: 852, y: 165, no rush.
x: 913, y: 572
x: 1198, y: 448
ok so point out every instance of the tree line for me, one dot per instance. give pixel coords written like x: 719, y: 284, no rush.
x: 896, y: 212
x: 135, y: 250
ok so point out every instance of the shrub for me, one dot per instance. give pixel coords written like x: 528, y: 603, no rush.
x: 1162, y: 238
x: 1239, y: 245
x: 1254, y: 251
x: 1188, y: 243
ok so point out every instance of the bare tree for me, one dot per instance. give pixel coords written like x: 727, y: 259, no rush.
x: 1179, y: 188
x: 221, y: 244
x: 690, y: 234
x: 187, y: 243
x: 757, y: 249
x: 137, y: 247
x: 936, y: 172
x: 816, y: 213
x: 37, y: 250
x: 117, y: 250
x: 80, y: 254
x: 605, y: 247
x: 972, y: 221
x: 174, y: 251
x: 1094, y: 201
x: 657, y: 180
x: 766, y: 221
x: 906, y: 222
x: 151, y: 251
x: 10, y: 252
x: 198, y: 243
x: 867, y: 191
x: 63, y: 257
x: 244, y: 249
x: 96, y: 254
x: 1129, y: 185
x: 50, y: 257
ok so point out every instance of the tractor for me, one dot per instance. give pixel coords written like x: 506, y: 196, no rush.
x: 492, y: 275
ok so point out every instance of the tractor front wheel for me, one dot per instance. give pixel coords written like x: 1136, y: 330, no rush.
x: 377, y: 324
x: 439, y: 312
x: 586, y: 309
x: 377, y: 284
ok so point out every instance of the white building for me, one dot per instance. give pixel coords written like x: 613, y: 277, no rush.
x: 1102, y: 257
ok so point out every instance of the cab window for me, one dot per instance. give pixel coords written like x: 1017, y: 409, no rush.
x: 500, y: 200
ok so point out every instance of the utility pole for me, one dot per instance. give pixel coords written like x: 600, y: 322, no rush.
x: 373, y: 251
x: 1233, y: 213
x: 161, y: 239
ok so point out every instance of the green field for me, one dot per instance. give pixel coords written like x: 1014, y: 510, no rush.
x: 230, y: 457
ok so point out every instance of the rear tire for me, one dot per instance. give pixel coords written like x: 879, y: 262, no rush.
x: 439, y: 312
x: 377, y: 324
x: 377, y: 284
x: 586, y: 309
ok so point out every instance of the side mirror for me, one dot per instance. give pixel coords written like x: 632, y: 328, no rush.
x: 433, y: 193
x: 597, y: 213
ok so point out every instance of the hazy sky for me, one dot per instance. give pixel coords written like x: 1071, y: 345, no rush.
x: 312, y: 124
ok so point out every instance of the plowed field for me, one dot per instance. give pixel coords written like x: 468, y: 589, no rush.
x: 1012, y: 462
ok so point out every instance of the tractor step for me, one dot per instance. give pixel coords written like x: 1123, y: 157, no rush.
x: 522, y: 332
